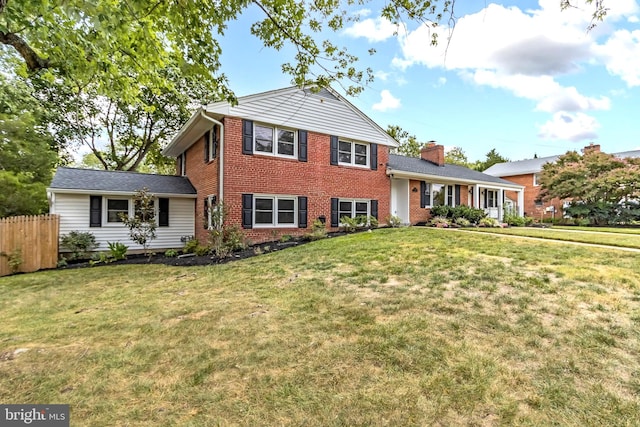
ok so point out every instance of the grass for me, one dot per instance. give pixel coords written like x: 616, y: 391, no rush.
x: 620, y: 230
x: 582, y: 235
x: 404, y: 327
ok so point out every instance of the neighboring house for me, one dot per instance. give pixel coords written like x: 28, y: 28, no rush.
x: 92, y: 201
x: 526, y: 173
x: 417, y: 184
x: 279, y: 160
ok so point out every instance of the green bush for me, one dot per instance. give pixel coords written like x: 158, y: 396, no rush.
x: 171, y: 253
x: 117, y: 250
x: 190, y: 246
x: 318, y: 231
x: 517, y: 221
x: 489, y: 222
x: 79, y: 244
x: 394, y: 221
x: 440, y: 222
x: 440, y: 211
x: 462, y: 222
x: 473, y: 215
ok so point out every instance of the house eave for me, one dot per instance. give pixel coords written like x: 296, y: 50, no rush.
x: 56, y: 190
x: 188, y: 134
x: 449, y: 180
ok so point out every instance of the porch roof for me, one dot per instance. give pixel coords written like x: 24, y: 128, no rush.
x: 415, y: 168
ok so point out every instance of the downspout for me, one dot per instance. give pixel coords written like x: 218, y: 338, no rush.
x: 221, y: 168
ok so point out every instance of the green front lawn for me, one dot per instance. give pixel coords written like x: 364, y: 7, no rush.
x: 403, y: 327
x: 620, y: 230
x: 585, y: 235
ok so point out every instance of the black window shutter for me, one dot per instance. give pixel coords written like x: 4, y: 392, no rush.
x: 374, y: 209
x: 302, y: 212
x: 184, y: 163
x: 163, y: 212
x: 334, y: 213
x: 247, y: 211
x: 334, y: 152
x: 302, y: 145
x: 95, y: 211
x: 206, y: 147
x: 179, y: 162
x: 423, y: 194
x: 457, y: 195
x: 247, y: 137
x: 374, y: 157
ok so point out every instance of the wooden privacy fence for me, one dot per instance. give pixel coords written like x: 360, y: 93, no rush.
x: 30, y: 243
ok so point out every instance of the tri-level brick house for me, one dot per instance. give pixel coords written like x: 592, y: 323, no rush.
x: 280, y: 160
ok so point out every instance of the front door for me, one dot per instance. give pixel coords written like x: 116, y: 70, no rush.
x: 400, y: 199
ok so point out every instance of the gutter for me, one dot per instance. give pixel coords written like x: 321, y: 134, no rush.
x: 436, y: 178
x: 221, y: 171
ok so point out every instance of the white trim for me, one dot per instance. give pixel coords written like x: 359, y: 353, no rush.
x: 274, y: 210
x: 353, y: 154
x: 275, y: 141
x: 116, y: 193
x: 105, y: 211
x: 452, y: 180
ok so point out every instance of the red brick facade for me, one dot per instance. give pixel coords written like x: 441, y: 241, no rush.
x: 533, y: 207
x: 316, y: 179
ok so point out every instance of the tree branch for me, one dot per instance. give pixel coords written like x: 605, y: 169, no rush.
x: 33, y: 60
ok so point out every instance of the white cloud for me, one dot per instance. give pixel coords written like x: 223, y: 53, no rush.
x: 441, y: 82
x: 621, y: 53
x: 387, y: 102
x: 633, y: 19
x: 382, y: 75
x: 374, y: 30
x: 570, y: 127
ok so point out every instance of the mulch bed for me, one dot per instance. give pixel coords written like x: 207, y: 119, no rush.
x: 188, y: 260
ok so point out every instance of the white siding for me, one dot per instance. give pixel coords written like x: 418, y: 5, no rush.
x: 74, y: 216
x: 298, y: 109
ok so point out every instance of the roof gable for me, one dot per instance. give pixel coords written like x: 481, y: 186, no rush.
x: 325, y: 112
x: 101, y: 181
x: 520, y: 167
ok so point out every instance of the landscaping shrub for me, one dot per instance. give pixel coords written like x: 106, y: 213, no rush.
x: 79, y: 244
x: 489, y: 222
x: 462, y: 222
x: 517, y: 221
x: 440, y: 222
x: 117, y: 250
x: 318, y: 231
x: 393, y: 221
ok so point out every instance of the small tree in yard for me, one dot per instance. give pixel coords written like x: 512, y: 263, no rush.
x: 142, y: 225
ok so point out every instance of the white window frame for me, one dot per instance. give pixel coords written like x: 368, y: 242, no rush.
x: 130, y: 209
x: 536, y: 178
x: 274, y: 223
x: 353, y: 154
x: 210, y: 145
x: 274, y: 141
x: 353, y: 208
x: 105, y: 210
x: 495, y: 193
x: 183, y: 164
x: 447, y: 195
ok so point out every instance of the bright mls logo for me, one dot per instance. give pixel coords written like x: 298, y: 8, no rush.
x: 34, y: 415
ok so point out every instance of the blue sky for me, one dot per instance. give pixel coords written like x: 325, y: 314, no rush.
x: 522, y: 77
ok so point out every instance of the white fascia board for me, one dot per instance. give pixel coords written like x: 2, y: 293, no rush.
x: 116, y: 193
x: 188, y: 134
x: 448, y: 180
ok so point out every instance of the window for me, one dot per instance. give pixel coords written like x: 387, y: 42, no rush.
x: 491, y: 199
x: 274, y: 211
x: 210, y: 144
x: 116, y: 208
x: 353, y: 153
x: 353, y: 208
x: 182, y: 164
x: 275, y: 141
x: 439, y: 195
x: 536, y: 179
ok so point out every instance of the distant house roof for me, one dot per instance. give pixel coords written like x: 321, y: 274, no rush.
x: 325, y: 112
x: 411, y: 165
x: 72, y: 180
x: 524, y: 167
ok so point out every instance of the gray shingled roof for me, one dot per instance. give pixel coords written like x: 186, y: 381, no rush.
x: 522, y: 167
x: 119, y: 181
x: 423, y: 167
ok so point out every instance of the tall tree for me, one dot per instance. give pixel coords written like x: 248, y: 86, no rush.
x: 409, y: 145
x: 456, y: 156
x: 492, y: 158
x: 27, y: 151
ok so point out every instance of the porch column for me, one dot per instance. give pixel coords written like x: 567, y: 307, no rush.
x: 476, y: 196
x: 500, y: 204
x: 520, y: 203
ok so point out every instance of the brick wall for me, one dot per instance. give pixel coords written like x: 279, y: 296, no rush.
x: 418, y: 214
x: 204, y: 177
x: 531, y: 194
x: 315, y: 179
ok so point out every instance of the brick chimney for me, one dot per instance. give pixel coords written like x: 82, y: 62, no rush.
x: 433, y: 153
x: 591, y: 148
